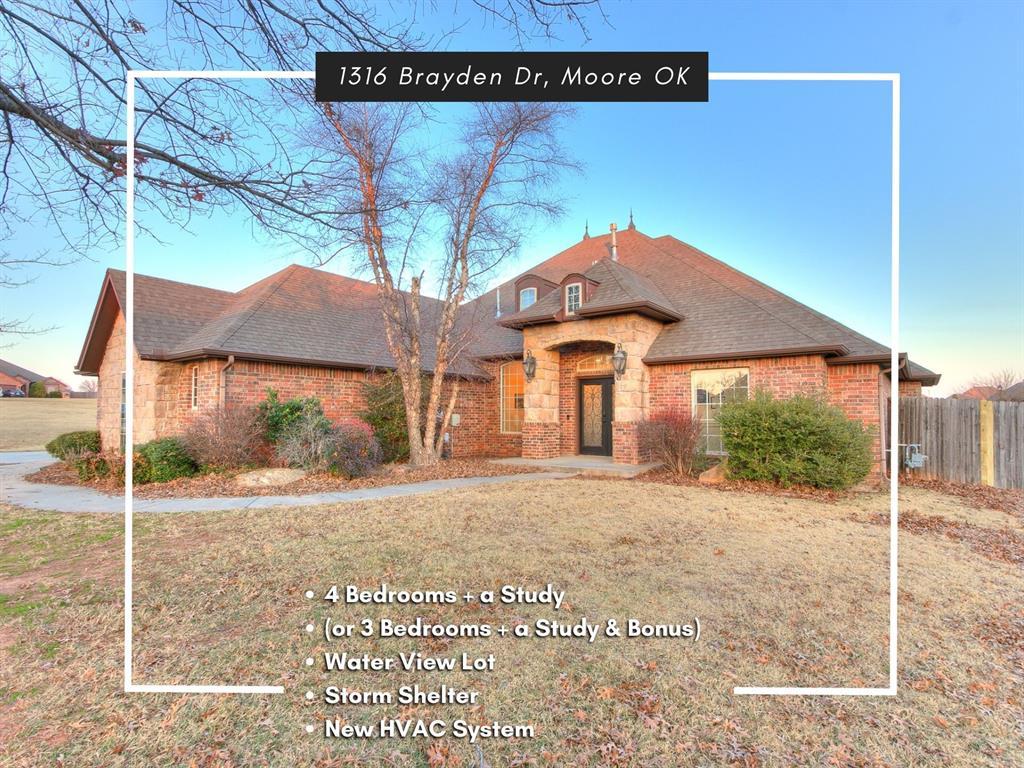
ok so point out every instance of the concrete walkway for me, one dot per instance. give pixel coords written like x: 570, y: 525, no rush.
x: 14, y: 489
x: 581, y: 465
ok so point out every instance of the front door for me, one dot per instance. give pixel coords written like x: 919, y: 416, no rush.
x: 596, y: 416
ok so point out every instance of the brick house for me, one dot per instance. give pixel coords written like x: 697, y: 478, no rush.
x: 687, y: 331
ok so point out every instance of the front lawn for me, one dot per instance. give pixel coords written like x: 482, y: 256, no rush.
x: 788, y: 591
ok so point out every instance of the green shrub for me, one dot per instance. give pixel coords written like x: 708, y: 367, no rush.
x: 97, y: 466
x: 276, y: 416
x: 164, y: 459
x: 56, y: 393
x: 37, y: 389
x: 385, y: 413
x: 802, y: 441
x: 70, y: 444
x: 93, y: 466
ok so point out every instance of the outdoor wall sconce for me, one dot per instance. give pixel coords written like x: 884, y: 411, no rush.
x: 529, y: 365
x: 619, y: 361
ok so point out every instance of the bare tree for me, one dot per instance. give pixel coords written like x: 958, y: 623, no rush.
x: 89, y: 385
x: 201, y: 143
x: 467, y: 208
x: 1000, y: 380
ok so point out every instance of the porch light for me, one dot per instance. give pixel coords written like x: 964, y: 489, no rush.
x: 529, y: 365
x: 619, y: 361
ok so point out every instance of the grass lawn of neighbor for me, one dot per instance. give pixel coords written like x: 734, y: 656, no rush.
x: 29, y: 423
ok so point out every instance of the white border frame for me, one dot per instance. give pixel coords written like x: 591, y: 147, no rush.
x: 893, y: 78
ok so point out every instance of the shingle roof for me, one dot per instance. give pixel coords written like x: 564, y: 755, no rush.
x: 711, y: 311
x: 619, y: 289
x: 16, y: 370
x: 299, y: 315
x: 725, y: 313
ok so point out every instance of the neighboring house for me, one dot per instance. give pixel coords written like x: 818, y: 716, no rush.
x: 691, y: 334
x: 22, y: 377
x: 1014, y: 394
x: 56, y: 385
x: 979, y: 392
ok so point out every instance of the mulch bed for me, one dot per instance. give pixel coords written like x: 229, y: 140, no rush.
x: 223, y: 483
x: 746, y: 486
x: 1003, y: 544
x: 1009, y: 500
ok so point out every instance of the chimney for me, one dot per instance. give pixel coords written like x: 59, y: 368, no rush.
x: 497, y: 301
x: 613, y: 228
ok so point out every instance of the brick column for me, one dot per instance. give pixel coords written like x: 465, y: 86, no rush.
x: 541, y: 431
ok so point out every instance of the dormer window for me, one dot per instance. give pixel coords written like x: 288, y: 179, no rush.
x: 573, y: 297
x: 527, y: 297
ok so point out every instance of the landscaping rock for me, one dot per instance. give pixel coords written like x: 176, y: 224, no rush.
x: 269, y: 477
x: 714, y: 475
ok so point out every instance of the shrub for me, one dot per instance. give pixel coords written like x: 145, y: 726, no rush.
x: 802, y: 440
x: 353, y: 450
x: 673, y: 439
x: 276, y: 416
x: 37, y: 389
x: 92, y: 466
x: 56, y: 393
x: 226, y: 437
x: 164, y: 459
x: 69, y: 444
x: 385, y: 414
x: 305, y: 442
x: 96, y: 466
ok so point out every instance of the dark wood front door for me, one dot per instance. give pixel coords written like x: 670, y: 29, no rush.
x: 595, y: 409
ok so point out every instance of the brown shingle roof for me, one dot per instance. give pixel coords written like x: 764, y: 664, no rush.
x: 725, y: 312
x: 711, y: 311
x: 299, y: 315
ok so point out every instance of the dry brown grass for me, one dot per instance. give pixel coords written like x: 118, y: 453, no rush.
x: 29, y: 423
x: 789, y: 592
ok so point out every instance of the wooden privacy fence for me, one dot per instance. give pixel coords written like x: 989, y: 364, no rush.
x: 967, y: 441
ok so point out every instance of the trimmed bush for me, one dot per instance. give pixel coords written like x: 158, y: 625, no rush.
x: 71, y: 444
x: 353, y: 450
x: 672, y: 438
x: 276, y: 416
x: 167, y: 459
x: 56, y: 394
x: 37, y: 389
x: 799, y: 441
x: 225, y: 438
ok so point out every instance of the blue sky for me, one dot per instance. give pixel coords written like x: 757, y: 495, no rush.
x: 788, y: 182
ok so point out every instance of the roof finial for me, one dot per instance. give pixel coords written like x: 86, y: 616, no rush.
x: 586, y: 230
x: 631, y: 224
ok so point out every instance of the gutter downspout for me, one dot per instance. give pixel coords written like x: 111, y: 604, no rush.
x: 222, y: 385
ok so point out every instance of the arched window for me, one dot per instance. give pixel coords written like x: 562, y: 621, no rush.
x: 512, y: 398
x: 527, y: 297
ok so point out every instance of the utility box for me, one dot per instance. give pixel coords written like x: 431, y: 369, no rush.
x: 456, y: 419
x: 912, y: 456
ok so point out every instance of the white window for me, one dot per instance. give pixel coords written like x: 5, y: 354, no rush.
x: 573, y: 298
x: 711, y: 390
x: 512, y: 397
x: 527, y: 297
x: 195, y: 387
